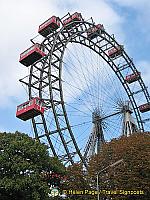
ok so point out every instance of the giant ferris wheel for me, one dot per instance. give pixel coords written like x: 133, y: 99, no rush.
x: 83, y: 88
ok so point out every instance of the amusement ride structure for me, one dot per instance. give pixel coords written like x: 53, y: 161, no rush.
x: 83, y: 88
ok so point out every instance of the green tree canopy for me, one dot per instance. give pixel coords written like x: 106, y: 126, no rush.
x: 22, y: 160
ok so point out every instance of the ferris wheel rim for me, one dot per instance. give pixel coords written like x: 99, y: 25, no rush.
x: 50, y: 90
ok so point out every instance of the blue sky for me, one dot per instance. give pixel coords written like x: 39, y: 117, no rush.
x: 127, y: 19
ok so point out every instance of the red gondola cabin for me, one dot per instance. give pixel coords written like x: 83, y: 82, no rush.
x: 49, y: 26
x: 31, y: 55
x: 92, y: 32
x: 133, y: 77
x: 30, y: 109
x: 74, y: 17
x: 115, y: 51
x: 144, y: 108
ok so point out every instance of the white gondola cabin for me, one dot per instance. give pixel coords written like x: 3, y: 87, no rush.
x: 144, y: 108
x: 115, y: 51
x: 49, y: 26
x: 93, y: 31
x: 133, y: 77
x: 30, y: 109
x: 74, y: 17
x: 31, y: 55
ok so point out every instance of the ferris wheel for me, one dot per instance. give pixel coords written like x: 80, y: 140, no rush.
x: 83, y: 88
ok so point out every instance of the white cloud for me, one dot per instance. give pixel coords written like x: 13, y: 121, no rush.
x: 19, y: 23
x: 99, y: 10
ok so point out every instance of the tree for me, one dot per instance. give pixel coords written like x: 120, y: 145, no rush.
x: 75, y: 177
x: 23, y: 160
x: 76, y: 181
x: 133, y: 174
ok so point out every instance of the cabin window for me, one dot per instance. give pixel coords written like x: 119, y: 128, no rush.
x: 30, y: 102
x: 27, y: 51
x: 19, y: 108
x: 38, y: 102
x: 45, y: 23
x: 57, y: 20
x: 25, y: 105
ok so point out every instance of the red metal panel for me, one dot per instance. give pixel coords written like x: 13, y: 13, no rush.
x: 31, y: 55
x: 91, y: 32
x: 74, y: 17
x: 27, y: 52
x: 114, y: 51
x: 145, y: 107
x: 29, y: 109
x: 133, y: 77
x: 48, y: 26
x: 40, y: 52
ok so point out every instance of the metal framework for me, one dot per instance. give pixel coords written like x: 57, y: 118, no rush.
x: 45, y: 79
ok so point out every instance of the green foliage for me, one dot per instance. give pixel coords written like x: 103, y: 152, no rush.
x: 22, y: 159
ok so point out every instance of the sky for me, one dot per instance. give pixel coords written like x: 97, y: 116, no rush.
x: 127, y: 19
